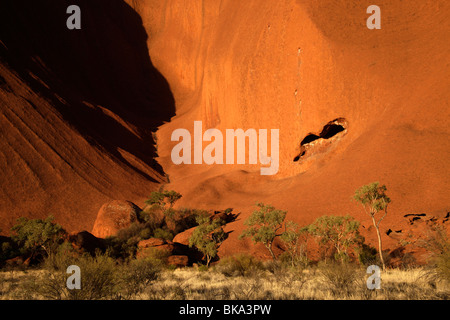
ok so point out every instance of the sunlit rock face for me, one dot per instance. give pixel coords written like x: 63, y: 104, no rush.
x: 298, y: 66
x: 352, y: 106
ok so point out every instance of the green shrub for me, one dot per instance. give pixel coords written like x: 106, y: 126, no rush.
x: 145, y: 233
x: 162, y: 198
x: 367, y: 255
x: 163, y: 234
x: 8, y: 249
x: 179, y: 220
x: 158, y: 215
x: 136, y: 275
x: 156, y: 198
x: 203, y: 268
x: 37, y: 236
x: 152, y: 217
x: 243, y: 265
x: 5, y: 250
x: 122, y: 248
x: 134, y: 230
x: 101, y: 277
x: 98, y: 277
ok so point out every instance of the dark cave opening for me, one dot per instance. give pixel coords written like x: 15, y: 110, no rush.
x: 299, y: 156
x: 331, y: 129
x: 309, y: 138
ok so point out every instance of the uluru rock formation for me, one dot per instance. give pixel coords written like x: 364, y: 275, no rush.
x: 299, y: 66
x: 352, y: 105
x: 77, y: 111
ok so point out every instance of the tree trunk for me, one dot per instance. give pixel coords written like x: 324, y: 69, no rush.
x: 380, y: 250
x: 269, y: 247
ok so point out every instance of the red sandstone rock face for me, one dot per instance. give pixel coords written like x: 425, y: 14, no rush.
x: 294, y: 66
x: 177, y: 254
x: 87, y: 242
x: 178, y: 261
x: 114, y: 216
x: 149, y: 243
x: 77, y: 111
x: 148, y: 248
x: 183, y: 237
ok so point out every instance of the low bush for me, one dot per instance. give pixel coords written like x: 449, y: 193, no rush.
x: 135, y: 276
x: 101, y: 277
x: 340, y: 278
x: 179, y: 220
x: 443, y: 265
x: 98, y: 277
x: 164, y: 234
x: 145, y: 233
x: 134, y: 230
x: 243, y: 265
x: 367, y: 255
x: 122, y: 248
x: 8, y: 249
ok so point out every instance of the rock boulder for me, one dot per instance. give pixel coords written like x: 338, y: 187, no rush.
x: 114, y: 216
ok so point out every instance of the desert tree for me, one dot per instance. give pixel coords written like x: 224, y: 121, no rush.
x: 172, y: 197
x: 36, y: 235
x: 208, y: 236
x: 294, y: 238
x: 374, y: 200
x: 340, y: 233
x: 162, y: 197
x: 160, y: 201
x: 156, y: 198
x: 263, y: 226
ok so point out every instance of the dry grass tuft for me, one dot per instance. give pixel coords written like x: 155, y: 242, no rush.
x: 325, y: 282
